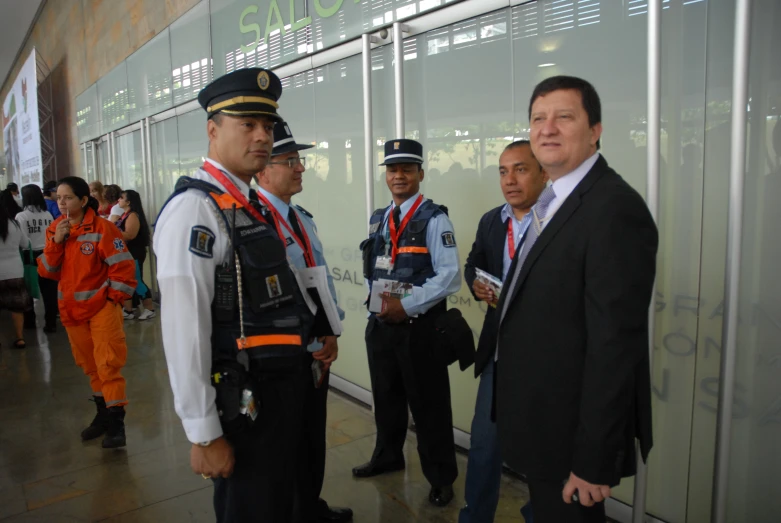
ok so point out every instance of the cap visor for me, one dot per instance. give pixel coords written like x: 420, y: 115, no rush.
x: 289, y: 148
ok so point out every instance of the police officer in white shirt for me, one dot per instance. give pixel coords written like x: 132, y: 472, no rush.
x: 235, y: 324
x: 278, y: 183
x: 411, y: 242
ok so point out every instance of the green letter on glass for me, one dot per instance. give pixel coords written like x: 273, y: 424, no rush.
x: 249, y: 28
x: 296, y: 25
x: 325, y: 13
x: 273, y: 9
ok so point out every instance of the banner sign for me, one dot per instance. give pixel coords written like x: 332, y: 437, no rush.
x: 21, y: 132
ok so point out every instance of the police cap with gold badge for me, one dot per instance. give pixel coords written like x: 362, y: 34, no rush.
x: 245, y: 92
x: 403, y: 151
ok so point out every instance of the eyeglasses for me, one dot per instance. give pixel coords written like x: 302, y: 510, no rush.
x: 291, y: 162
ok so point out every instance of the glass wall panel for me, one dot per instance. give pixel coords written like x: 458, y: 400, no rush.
x: 104, y: 162
x: 193, y: 142
x: 87, y: 114
x: 113, y: 99
x: 324, y: 107
x: 756, y: 428
x: 165, y: 162
x: 463, y: 131
x: 191, y: 53
x: 90, y: 170
x: 149, y: 78
x: 129, y: 161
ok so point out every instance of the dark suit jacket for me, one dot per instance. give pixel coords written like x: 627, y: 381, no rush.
x: 573, y: 389
x: 487, y: 254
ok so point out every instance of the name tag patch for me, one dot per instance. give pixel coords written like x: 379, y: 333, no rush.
x: 448, y: 239
x: 202, y: 242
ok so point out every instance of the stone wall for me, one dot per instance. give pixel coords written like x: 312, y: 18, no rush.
x: 82, y: 40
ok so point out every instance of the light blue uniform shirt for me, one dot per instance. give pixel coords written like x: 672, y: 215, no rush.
x: 296, y: 254
x: 519, y: 229
x: 447, y: 268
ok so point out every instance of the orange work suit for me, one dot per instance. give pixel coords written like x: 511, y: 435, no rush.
x: 96, y: 274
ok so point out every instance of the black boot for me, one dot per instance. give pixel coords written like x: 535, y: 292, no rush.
x: 115, y: 436
x: 99, y: 424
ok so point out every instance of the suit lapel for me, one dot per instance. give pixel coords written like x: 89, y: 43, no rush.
x: 497, y: 237
x: 561, y: 217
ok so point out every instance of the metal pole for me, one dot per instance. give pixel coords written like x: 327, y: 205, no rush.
x: 368, y: 133
x: 652, y: 200
x: 84, y: 156
x: 398, y: 52
x: 732, y: 274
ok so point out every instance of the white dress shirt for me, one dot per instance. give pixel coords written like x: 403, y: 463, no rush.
x: 187, y: 287
x: 519, y: 230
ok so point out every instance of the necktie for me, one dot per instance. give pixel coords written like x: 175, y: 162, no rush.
x: 538, y: 213
x: 293, y: 219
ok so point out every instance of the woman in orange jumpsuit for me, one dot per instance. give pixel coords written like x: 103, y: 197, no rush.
x: 89, y: 258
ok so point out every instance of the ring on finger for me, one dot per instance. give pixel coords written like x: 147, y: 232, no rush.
x: 204, y: 476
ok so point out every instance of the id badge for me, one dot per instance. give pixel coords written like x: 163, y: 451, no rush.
x: 383, y: 263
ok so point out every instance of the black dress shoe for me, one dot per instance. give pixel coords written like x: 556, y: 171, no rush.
x: 440, y: 496
x: 367, y: 470
x: 335, y: 514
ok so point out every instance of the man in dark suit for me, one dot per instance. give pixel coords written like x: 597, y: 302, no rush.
x: 522, y: 179
x: 573, y: 377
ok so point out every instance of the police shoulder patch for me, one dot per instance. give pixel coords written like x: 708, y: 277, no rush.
x: 374, y: 227
x: 448, y: 239
x: 202, y: 241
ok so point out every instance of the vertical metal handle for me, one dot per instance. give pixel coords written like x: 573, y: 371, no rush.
x: 740, y: 72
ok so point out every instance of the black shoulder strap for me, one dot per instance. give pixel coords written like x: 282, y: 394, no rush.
x: 185, y: 183
x: 304, y: 211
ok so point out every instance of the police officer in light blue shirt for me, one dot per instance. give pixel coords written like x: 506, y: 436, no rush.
x: 411, y: 244
x: 278, y: 183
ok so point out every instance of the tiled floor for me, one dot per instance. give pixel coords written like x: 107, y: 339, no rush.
x: 48, y: 475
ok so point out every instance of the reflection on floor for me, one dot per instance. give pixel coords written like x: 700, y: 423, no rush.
x: 48, y: 475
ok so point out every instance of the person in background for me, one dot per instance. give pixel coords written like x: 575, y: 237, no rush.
x: 135, y: 231
x: 96, y: 274
x: 34, y: 220
x: 97, y: 191
x: 13, y: 293
x: 499, y: 234
x: 278, y: 183
x: 112, y: 193
x: 14, y: 190
x: 8, y: 200
x: 411, y: 241
x: 50, y: 195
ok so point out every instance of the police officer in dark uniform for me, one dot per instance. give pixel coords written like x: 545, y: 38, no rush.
x: 411, y: 242
x: 235, y: 322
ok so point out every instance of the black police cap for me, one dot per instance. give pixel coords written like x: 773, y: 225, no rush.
x: 284, y: 141
x: 403, y: 151
x: 245, y: 92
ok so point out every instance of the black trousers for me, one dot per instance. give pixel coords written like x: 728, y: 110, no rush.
x: 262, y: 487
x: 311, y: 456
x: 406, y: 369
x: 549, y: 506
x: 48, y: 295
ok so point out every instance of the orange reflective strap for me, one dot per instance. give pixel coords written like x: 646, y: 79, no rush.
x: 226, y: 201
x: 413, y: 250
x: 269, y: 339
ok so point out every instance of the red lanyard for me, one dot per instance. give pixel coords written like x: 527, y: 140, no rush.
x: 242, y: 200
x: 306, y: 245
x: 510, y: 238
x: 395, y: 235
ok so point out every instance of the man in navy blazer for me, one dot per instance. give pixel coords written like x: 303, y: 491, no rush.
x: 499, y: 233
